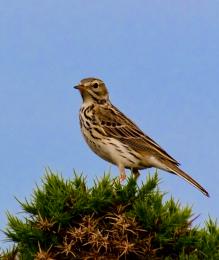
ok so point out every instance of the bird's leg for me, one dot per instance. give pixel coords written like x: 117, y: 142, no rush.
x: 136, y: 173
x: 122, y: 175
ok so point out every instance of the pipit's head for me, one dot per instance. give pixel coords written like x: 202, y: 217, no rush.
x: 93, y: 90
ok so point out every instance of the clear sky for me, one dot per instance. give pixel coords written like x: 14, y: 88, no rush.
x: 160, y: 61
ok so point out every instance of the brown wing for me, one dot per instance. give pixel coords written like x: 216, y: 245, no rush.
x: 115, y: 124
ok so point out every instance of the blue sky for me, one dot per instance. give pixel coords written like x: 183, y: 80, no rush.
x: 160, y: 61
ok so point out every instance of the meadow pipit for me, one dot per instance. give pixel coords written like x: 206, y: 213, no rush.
x: 116, y: 139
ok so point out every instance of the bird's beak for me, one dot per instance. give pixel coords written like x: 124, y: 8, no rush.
x: 79, y: 87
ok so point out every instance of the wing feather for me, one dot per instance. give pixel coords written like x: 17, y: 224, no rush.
x: 115, y: 124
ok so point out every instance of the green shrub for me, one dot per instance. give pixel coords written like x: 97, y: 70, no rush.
x: 65, y: 219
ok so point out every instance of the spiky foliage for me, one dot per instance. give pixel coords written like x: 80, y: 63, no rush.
x: 67, y: 220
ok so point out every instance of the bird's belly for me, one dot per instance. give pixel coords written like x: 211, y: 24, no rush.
x: 113, y: 151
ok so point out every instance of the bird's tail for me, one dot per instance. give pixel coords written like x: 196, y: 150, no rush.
x: 176, y: 170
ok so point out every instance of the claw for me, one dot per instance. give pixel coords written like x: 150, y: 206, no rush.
x: 122, y: 177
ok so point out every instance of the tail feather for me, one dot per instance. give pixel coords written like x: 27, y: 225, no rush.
x: 174, y: 169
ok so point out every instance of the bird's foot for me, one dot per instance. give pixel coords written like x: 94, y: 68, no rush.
x: 122, y: 177
x: 135, y: 173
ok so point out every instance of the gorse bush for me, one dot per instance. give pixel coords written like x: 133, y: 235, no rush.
x: 64, y: 219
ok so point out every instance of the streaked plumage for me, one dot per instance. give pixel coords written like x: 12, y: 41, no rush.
x: 115, y: 138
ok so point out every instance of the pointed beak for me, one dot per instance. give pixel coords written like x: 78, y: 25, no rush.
x: 79, y: 87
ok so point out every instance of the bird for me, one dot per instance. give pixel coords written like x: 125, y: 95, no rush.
x: 117, y: 139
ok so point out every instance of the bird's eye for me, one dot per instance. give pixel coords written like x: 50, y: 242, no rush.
x: 95, y: 85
